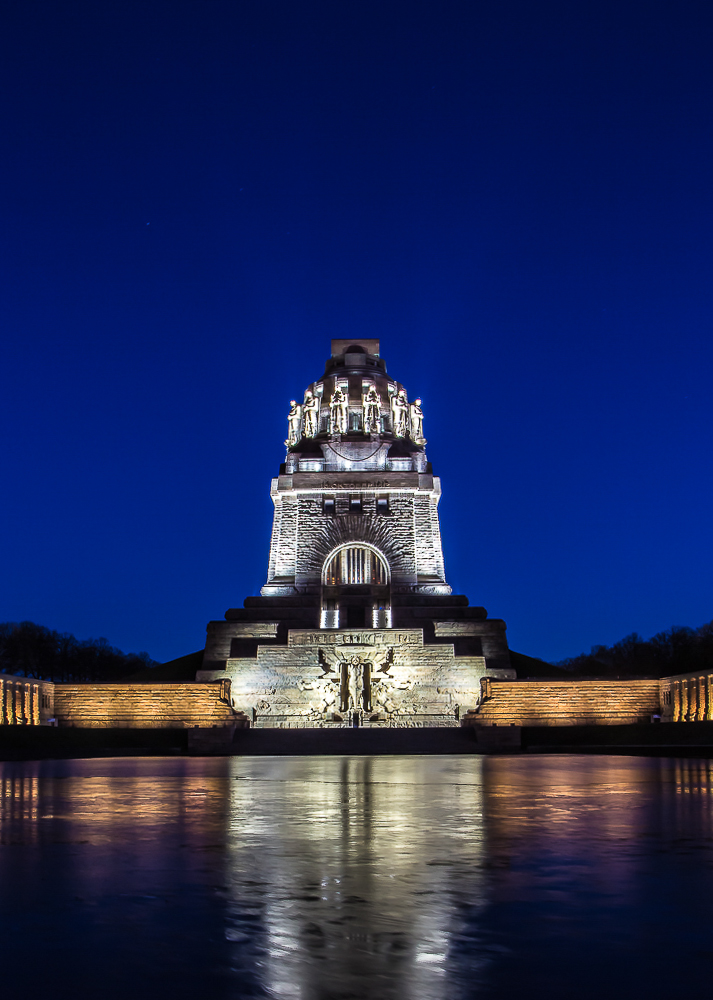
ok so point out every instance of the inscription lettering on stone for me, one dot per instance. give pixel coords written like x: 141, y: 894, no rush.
x: 365, y: 484
x: 372, y: 637
x: 256, y: 630
x: 456, y: 628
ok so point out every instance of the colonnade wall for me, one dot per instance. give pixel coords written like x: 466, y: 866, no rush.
x: 687, y: 697
x: 26, y: 701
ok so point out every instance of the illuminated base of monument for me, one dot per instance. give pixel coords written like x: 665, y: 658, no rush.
x: 424, y: 674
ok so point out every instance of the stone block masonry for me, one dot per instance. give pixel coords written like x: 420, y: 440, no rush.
x: 304, y: 534
x: 321, y: 677
x: 289, y: 687
x: 565, y: 703
x: 145, y: 706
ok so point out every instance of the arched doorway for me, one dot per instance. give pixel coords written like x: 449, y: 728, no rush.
x: 355, y: 588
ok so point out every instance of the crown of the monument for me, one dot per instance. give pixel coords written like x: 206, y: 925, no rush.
x: 356, y: 401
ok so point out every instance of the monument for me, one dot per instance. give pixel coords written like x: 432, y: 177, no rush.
x: 356, y: 624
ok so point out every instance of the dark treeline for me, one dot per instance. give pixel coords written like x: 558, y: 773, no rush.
x: 678, y: 650
x: 32, y: 650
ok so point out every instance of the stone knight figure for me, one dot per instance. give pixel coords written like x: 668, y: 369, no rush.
x: 339, y: 412
x: 416, y: 414
x: 310, y: 412
x: 294, y: 423
x: 371, y: 403
x: 399, y: 413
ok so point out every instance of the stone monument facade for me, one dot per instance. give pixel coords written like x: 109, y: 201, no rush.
x: 356, y: 624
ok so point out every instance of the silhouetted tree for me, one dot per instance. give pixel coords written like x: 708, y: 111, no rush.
x: 32, y: 650
x: 678, y: 650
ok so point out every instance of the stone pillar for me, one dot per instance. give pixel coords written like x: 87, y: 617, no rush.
x: 677, y: 709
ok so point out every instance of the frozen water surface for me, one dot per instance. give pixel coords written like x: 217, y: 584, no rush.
x: 338, y: 878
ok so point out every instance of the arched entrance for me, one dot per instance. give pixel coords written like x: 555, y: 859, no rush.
x: 356, y: 588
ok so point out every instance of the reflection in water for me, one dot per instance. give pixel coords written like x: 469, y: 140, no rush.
x: 108, y: 878
x: 351, y: 867
x: 328, y: 878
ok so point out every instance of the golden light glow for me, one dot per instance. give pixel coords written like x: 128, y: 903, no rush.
x: 356, y: 564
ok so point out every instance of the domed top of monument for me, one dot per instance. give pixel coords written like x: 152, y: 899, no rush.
x: 354, y: 355
x: 354, y: 415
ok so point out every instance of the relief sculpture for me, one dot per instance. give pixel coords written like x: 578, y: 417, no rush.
x: 339, y: 412
x: 310, y: 411
x: 294, y: 423
x: 416, y: 416
x: 371, y: 404
x: 399, y: 413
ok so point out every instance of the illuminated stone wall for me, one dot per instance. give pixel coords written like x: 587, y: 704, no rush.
x: 322, y: 677
x: 687, y: 697
x: 144, y: 706
x: 411, y: 685
x: 566, y: 703
x: 303, y: 535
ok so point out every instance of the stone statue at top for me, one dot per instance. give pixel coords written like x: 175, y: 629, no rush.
x: 399, y: 413
x: 294, y: 423
x: 339, y: 412
x: 371, y: 402
x: 416, y: 414
x: 310, y: 411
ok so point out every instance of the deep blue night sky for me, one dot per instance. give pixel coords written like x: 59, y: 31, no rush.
x: 515, y: 197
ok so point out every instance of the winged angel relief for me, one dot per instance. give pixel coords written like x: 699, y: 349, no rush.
x: 357, y: 688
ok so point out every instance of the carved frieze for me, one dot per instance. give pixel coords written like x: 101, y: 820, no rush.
x: 457, y: 628
x: 255, y: 630
x: 355, y: 637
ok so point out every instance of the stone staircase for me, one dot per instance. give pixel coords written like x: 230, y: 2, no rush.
x: 565, y: 703
x: 145, y: 706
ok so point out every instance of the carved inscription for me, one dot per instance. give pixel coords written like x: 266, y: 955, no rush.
x: 363, y: 484
x: 368, y: 637
x: 457, y: 628
x: 255, y: 630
